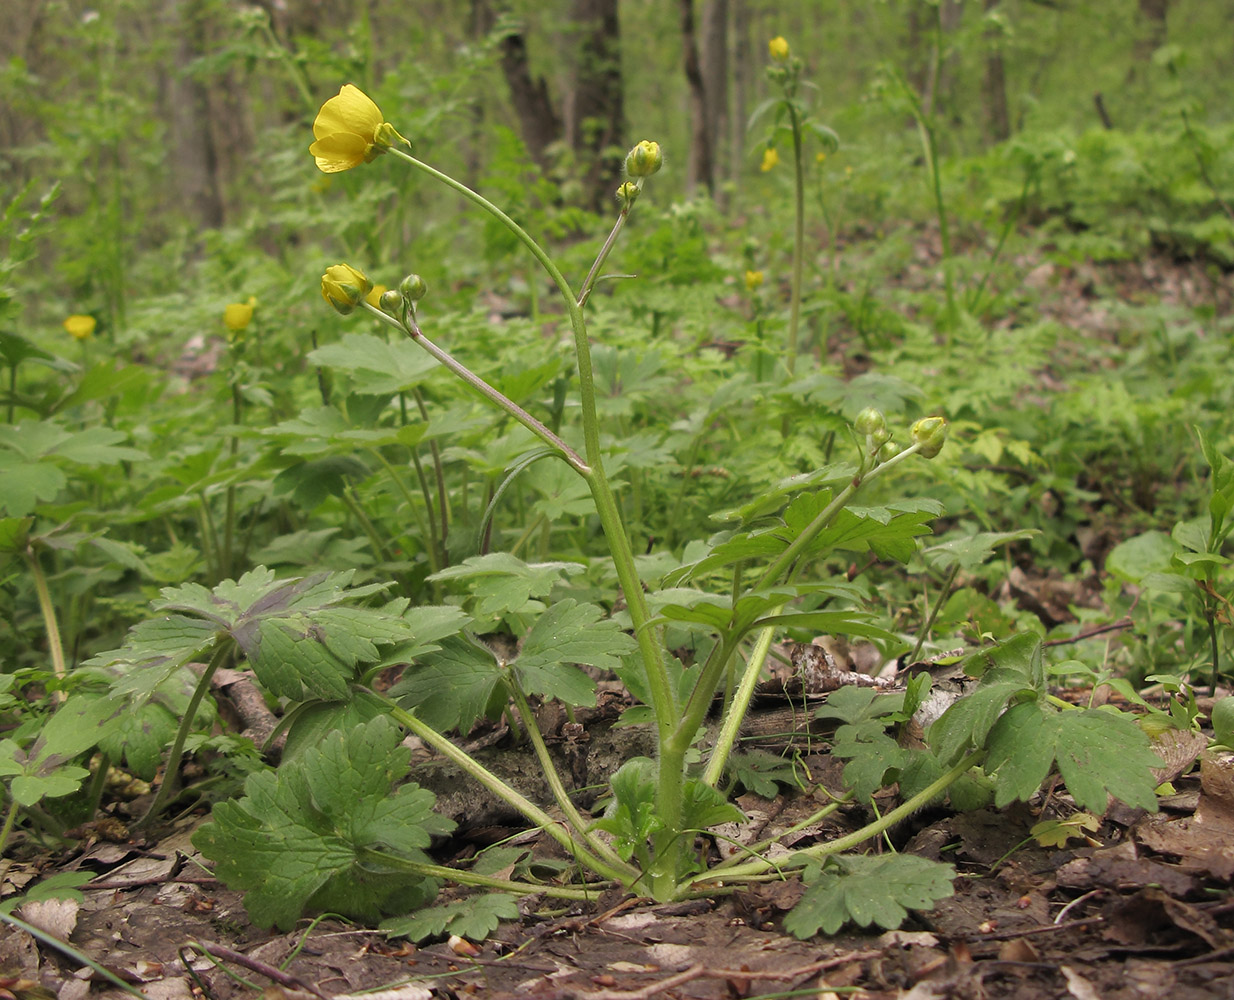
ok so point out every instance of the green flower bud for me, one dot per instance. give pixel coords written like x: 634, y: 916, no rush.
x: 344, y: 287
x: 390, y: 302
x: 628, y: 194
x: 930, y: 433
x: 870, y: 421
x: 644, y: 159
x: 888, y: 451
x: 413, y: 288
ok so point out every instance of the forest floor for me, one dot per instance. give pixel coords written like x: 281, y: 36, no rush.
x: 1137, y: 908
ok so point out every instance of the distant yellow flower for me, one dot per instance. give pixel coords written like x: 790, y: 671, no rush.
x: 238, y: 315
x: 373, y: 298
x: 820, y: 157
x: 754, y: 279
x: 350, y: 130
x: 778, y: 48
x: 770, y: 159
x: 343, y: 287
x: 80, y: 327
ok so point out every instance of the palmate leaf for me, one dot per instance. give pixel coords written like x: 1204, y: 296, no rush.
x: 867, y: 890
x: 302, y: 838
x: 378, y: 367
x: 454, y: 686
x: 500, y: 582
x: 1098, y: 754
x: 301, y: 636
x: 566, y: 634
x: 474, y: 918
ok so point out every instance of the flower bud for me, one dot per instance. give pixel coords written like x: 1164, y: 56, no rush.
x: 644, y: 159
x: 888, y: 451
x: 778, y: 48
x: 628, y: 194
x: 344, y: 287
x: 930, y: 433
x: 373, y: 298
x: 413, y: 288
x: 771, y: 157
x: 754, y: 280
x: 390, y: 302
x: 870, y: 421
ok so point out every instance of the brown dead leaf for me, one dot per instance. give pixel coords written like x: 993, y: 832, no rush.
x: 1203, y: 842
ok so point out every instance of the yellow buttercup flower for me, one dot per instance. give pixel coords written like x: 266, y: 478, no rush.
x: 343, y: 287
x: 350, y: 130
x: 778, y: 48
x: 754, y: 279
x: 770, y: 159
x: 238, y: 315
x: 820, y: 157
x: 373, y: 298
x: 80, y: 327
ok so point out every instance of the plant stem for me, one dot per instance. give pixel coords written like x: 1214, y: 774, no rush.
x: 857, y: 837
x: 590, y: 281
x: 623, y: 873
x: 10, y: 819
x: 736, y: 712
x: 413, y: 506
x: 799, y: 238
x: 464, y: 877
x: 48, y: 611
x: 663, y: 697
x: 938, y: 604
x: 555, y: 784
x: 222, y: 649
x: 443, y: 501
x: 353, y: 505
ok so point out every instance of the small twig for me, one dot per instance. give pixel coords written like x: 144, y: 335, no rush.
x: 1122, y: 623
x: 225, y: 954
x: 1008, y: 935
x: 700, y: 971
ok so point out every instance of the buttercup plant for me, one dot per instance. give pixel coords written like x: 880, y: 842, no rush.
x: 645, y: 841
x: 794, y: 116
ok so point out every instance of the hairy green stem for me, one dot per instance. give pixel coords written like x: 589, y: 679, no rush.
x: 555, y: 784
x: 464, y: 877
x: 663, y: 698
x: 736, y: 711
x: 799, y: 239
x: 48, y: 610
x: 443, y: 501
x: 509, y: 795
x: 857, y: 837
x: 222, y: 649
x: 938, y: 606
x: 10, y: 819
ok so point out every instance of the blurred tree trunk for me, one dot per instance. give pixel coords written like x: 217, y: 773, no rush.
x: 192, y: 155
x: 538, y: 120
x: 715, y: 81
x: 595, y: 121
x: 998, y: 123
x: 700, y: 168
x: 1153, y: 15
x: 743, y: 64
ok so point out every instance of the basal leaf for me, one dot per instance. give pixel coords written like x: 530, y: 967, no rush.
x: 964, y: 726
x: 304, y: 837
x: 452, y: 687
x: 1021, y: 751
x: 474, y: 918
x: 566, y: 634
x: 868, y: 890
x: 1103, y: 753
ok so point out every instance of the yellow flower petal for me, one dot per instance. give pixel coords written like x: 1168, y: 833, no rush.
x: 351, y: 111
x: 373, y: 298
x: 778, y: 48
x: 238, y: 315
x: 80, y: 327
x: 340, y: 151
x: 770, y: 159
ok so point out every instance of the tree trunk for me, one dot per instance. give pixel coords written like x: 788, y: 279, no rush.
x: 595, y: 117
x: 715, y: 80
x: 700, y: 168
x: 998, y: 123
x: 193, y: 159
x: 743, y: 62
x: 538, y: 121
